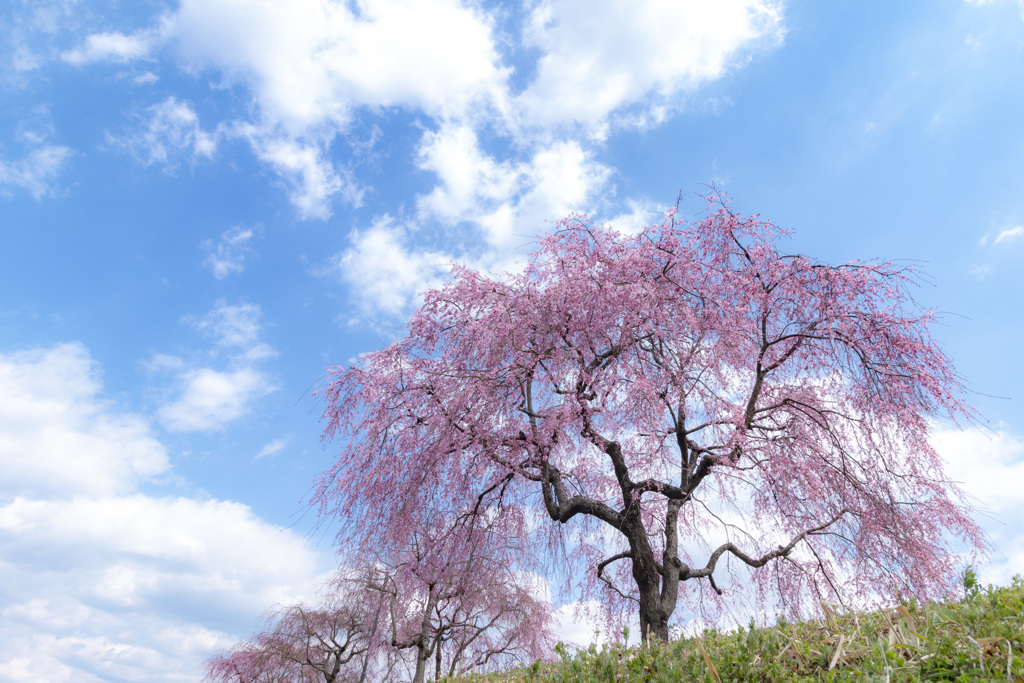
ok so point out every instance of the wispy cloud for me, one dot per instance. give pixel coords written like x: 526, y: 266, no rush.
x: 208, y: 398
x: 981, y: 272
x: 27, y: 36
x: 313, y: 181
x: 164, y: 133
x: 1010, y: 234
x: 237, y: 329
x: 37, y: 172
x: 227, y: 257
x: 116, y: 47
x: 272, y: 448
x: 1019, y: 3
x: 145, y: 78
x: 1007, y: 235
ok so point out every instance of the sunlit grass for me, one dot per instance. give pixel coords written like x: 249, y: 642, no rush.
x: 979, y: 638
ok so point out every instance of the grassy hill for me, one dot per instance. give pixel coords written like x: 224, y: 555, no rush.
x: 980, y: 638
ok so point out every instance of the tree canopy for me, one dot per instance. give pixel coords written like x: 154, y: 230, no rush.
x: 682, y: 404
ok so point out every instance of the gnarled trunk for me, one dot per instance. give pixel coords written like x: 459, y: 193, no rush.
x: 653, y: 616
x: 653, y: 619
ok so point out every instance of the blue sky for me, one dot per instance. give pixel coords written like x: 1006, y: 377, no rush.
x: 205, y: 203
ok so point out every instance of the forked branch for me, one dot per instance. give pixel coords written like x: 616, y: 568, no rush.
x: 781, y: 551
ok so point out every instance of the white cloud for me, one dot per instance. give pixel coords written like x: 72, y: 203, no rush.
x: 1010, y: 234
x: 981, y: 272
x: 116, y: 47
x: 37, y: 172
x: 100, y: 582
x: 581, y: 624
x: 560, y: 178
x: 272, y: 448
x: 506, y: 200
x: 310, y: 62
x: 313, y: 181
x: 238, y: 328
x: 508, y: 203
x: 469, y: 178
x: 162, y: 362
x: 209, y: 398
x: 314, y: 66
x: 228, y: 256
x: 145, y: 78
x: 599, y: 57
x: 600, y: 64
x: 990, y: 465
x: 49, y: 408
x: 138, y: 588
x: 640, y: 215
x: 384, y: 272
x: 135, y: 559
x: 24, y: 32
x: 167, y: 130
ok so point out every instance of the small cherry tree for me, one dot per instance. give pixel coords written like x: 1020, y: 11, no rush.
x: 678, y: 402
x: 325, y: 643
x: 452, y: 593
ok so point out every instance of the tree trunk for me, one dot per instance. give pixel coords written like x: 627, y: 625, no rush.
x: 653, y: 619
x: 423, y: 647
x: 437, y: 657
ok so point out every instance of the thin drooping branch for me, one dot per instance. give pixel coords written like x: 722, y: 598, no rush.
x: 600, y: 572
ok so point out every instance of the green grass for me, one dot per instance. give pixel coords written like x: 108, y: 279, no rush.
x: 980, y: 638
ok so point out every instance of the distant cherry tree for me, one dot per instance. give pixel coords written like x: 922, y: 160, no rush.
x: 452, y: 593
x: 682, y: 403
x: 324, y: 643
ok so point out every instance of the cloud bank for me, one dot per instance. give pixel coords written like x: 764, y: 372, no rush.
x: 103, y: 582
